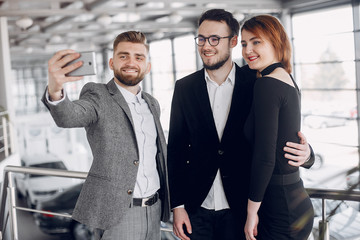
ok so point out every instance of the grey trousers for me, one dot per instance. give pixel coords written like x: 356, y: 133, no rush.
x: 138, y: 223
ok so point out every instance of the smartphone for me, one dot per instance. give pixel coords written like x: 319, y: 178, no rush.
x: 88, y: 67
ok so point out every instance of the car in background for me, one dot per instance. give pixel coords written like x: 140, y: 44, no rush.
x: 318, y: 120
x: 353, y: 113
x: 64, y: 203
x: 319, y: 161
x: 353, y: 180
x: 36, y: 188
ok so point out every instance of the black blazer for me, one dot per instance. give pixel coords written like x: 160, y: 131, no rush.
x: 194, y: 150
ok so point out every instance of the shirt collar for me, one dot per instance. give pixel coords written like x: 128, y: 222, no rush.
x: 230, y: 78
x: 129, y: 96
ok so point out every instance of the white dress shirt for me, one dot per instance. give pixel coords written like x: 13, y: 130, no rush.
x: 220, y: 100
x: 147, y: 180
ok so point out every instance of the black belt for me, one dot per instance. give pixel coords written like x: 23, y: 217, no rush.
x: 285, y: 179
x: 145, y: 202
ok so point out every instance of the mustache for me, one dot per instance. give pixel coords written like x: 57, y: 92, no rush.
x: 129, y: 68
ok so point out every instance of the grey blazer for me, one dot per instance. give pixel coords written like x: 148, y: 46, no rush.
x: 104, y: 113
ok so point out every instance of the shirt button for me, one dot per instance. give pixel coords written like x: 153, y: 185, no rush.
x: 136, y: 162
x: 130, y: 191
x: 220, y: 152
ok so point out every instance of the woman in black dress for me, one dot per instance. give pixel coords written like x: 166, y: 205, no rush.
x: 278, y: 206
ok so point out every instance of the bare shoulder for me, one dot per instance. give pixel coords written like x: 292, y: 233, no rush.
x: 282, y: 75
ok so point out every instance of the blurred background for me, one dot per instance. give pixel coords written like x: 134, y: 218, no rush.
x: 325, y: 36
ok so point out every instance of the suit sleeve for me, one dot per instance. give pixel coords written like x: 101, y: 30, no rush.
x: 79, y: 113
x: 177, y: 149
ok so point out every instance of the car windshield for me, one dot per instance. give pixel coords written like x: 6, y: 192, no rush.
x: 54, y: 165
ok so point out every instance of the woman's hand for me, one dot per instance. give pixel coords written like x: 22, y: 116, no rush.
x: 251, y: 227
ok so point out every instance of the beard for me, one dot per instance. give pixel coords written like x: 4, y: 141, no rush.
x: 128, y: 80
x: 218, y: 64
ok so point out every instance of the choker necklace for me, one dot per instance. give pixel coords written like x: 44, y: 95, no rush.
x: 271, y: 68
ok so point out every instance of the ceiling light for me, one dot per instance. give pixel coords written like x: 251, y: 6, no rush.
x: 162, y: 19
x: 239, y: 16
x: 29, y: 50
x: 55, y: 39
x: 24, y: 22
x: 126, y: 17
x: 158, y: 35
x: 172, y: 18
x: 175, y: 18
x: 104, y: 20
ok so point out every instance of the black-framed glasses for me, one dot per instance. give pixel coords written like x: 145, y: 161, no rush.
x: 213, y: 40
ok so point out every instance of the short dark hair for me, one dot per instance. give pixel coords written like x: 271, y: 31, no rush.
x: 131, y: 36
x: 220, y: 15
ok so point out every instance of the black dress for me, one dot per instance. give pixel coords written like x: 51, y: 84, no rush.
x: 286, y: 211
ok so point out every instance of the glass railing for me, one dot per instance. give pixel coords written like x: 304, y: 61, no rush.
x: 9, y: 207
x: 337, y: 213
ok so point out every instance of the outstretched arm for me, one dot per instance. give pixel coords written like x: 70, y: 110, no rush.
x: 78, y: 113
x: 299, y: 154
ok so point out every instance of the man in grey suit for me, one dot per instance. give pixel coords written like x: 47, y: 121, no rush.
x: 126, y: 192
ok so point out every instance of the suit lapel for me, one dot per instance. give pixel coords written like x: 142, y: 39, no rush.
x: 161, y: 143
x: 241, y: 99
x: 202, y: 95
x: 156, y: 116
x: 119, y: 98
x: 152, y: 108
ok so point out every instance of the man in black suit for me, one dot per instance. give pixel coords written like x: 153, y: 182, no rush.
x: 209, y: 158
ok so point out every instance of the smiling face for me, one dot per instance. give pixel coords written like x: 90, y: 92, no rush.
x: 214, y: 57
x: 257, y: 51
x: 129, y: 63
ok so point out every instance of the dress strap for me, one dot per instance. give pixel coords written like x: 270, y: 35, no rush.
x: 271, y: 68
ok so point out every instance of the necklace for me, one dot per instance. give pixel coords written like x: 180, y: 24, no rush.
x: 271, y: 68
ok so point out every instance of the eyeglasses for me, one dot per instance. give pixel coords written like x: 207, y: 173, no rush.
x: 213, y: 40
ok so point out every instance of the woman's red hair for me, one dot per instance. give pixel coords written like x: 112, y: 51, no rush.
x: 269, y: 27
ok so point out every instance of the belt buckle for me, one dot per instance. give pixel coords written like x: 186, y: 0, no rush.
x: 143, y: 202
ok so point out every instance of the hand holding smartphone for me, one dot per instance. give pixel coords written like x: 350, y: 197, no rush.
x: 88, y: 67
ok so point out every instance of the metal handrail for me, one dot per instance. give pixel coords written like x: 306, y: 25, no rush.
x: 8, y: 188
x: 323, y: 194
x: 333, y: 194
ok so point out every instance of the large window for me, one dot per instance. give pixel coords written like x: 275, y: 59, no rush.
x: 171, y: 59
x: 162, y: 76
x: 324, y: 63
x: 185, y: 56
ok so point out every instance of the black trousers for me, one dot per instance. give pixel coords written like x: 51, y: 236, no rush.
x: 215, y: 225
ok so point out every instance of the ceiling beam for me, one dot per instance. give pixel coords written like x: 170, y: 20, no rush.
x: 144, y: 11
x: 296, y: 4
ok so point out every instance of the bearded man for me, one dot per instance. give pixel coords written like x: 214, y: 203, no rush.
x: 126, y: 192
x: 209, y: 156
